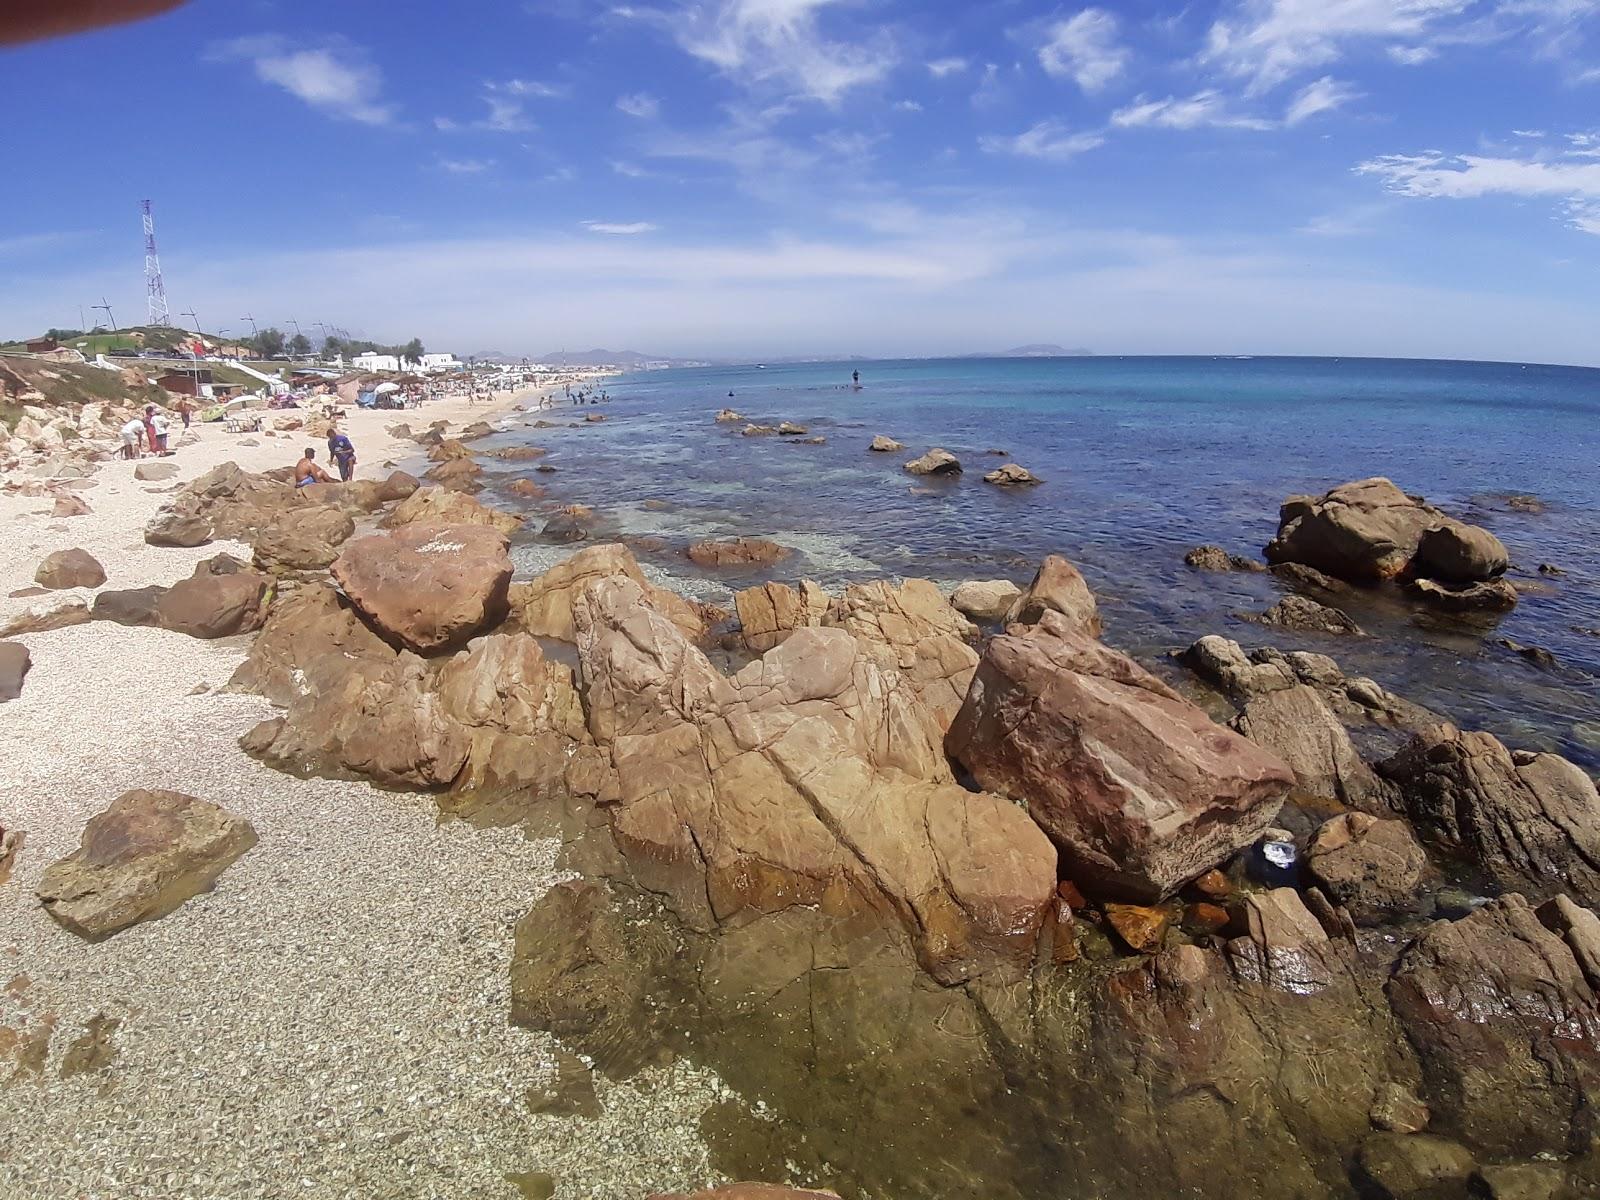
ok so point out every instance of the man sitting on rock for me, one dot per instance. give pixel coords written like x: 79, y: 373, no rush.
x: 306, y: 470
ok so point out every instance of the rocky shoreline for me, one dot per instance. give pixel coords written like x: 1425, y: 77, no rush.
x: 937, y: 896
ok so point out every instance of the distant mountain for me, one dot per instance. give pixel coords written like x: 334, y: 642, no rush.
x: 1038, y: 350
x: 615, y: 358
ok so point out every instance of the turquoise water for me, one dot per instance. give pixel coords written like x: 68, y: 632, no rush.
x: 1143, y: 458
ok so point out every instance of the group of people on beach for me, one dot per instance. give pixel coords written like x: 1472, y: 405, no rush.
x: 341, y: 452
x: 150, y: 432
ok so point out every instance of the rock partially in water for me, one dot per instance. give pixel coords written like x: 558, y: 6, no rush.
x: 1142, y: 928
x: 1139, y: 788
x: 728, y: 414
x: 1304, y: 578
x: 754, y: 430
x: 1372, y: 867
x: 566, y: 1091
x: 813, y: 776
x: 1305, y: 615
x: 1531, y: 821
x: 430, y: 587
x: 748, y: 1191
x: 448, y: 450
x: 885, y: 445
x: 563, y: 530
x: 737, y: 552
x: 456, y: 474
x: 1418, y: 1166
x: 1454, y: 552
x: 1537, y: 655
x: 141, y: 858
x: 1011, y: 475
x: 1057, y: 587
x: 1494, y: 596
x: 987, y: 600
x: 935, y: 462
x: 1215, y: 558
x: 790, y: 429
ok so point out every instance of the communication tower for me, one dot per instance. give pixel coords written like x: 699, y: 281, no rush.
x: 155, y: 292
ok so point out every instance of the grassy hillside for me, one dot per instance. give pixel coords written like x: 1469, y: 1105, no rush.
x: 65, y: 384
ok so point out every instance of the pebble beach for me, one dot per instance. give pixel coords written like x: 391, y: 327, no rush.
x: 330, y: 1020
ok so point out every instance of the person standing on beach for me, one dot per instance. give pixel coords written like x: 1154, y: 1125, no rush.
x: 184, y: 409
x: 159, y: 423
x: 150, y: 427
x: 343, y: 452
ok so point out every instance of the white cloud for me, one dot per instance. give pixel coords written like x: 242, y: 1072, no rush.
x: 334, y: 76
x: 775, y: 45
x: 1048, y: 140
x: 1571, y: 177
x: 1270, y: 41
x: 628, y: 229
x: 1324, y: 95
x: 631, y: 170
x: 1207, y: 109
x: 1412, y: 56
x: 507, y: 104
x: 1085, y: 49
x: 534, y: 88
x: 909, y: 106
x: 639, y: 104
x: 465, y: 166
x: 940, y: 68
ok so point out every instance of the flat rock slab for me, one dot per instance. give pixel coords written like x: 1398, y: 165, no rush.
x: 140, y: 859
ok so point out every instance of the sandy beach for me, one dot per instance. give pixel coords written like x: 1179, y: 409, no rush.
x: 330, y: 1021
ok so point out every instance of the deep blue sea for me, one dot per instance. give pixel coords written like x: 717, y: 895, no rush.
x: 1142, y: 459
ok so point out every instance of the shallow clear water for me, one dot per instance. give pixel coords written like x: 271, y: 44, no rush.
x: 1143, y: 459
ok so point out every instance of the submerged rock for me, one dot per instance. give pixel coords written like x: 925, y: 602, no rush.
x: 141, y: 858
x: 1139, y: 788
x: 1400, y: 1166
x: 1011, y: 475
x: 1215, y: 558
x: 737, y: 552
x: 1305, y: 615
x: 1494, y: 596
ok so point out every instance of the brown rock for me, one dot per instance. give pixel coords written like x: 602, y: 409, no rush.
x: 397, y: 487
x: 140, y: 859
x: 885, y: 445
x: 1057, y: 587
x: 457, y: 474
x: 428, y: 586
x: 172, y: 526
x: 440, y: 506
x: 1395, y: 1108
x: 1203, y: 918
x: 55, y: 613
x: 1531, y: 821
x: 213, y: 605
x: 935, y: 462
x: 129, y: 606
x: 70, y: 569
x: 155, y: 472
x: 770, y: 612
x: 985, y: 600
x: 1364, y: 531
x: 1372, y: 867
x: 1011, y: 475
x: 1213, y: 884
x: 1215, y: 558
x: 1305, y: 615
x: 1297, y: 725
x: 745, y: 794
x: 1412, y: 1166
x: 737, y: 552
x: 747, y: 1191
x: 790, y: 429
x: 1143, y: 929
x: 303, y: 539
x: 1495, y: 596
x: 543, y: 606
x: 1457, y: 553
x: 527, y: 489
x: 447, y: 450
x: 1139, y: 788
x: 519, y: 453
x: 728, y: 414
x: 15, y: 662
x: 913, y: 629
x: 68, y: 504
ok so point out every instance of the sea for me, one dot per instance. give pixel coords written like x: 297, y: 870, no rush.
x: 1141, y: 460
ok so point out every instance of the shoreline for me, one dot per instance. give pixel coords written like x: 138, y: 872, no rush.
x: 336, y: 1008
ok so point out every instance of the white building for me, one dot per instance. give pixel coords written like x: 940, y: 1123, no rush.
x: 371, y: 361
x: 434, y: 363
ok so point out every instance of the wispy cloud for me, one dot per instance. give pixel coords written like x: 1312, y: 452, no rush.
x: 639, y: 104
x: 621, y: 229
x: 942, y: 68
x: 333, y: 76
x: 1085, y: 48
x: 1050, y: 140
x: 507, y: 104
x: 775, y: 45
x: 1570, y: 176
x: 465, y: 166
x: 1207, y: 109
x: 1320, y: 96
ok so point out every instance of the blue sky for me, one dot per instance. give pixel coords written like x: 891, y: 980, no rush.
x: 766, y: 177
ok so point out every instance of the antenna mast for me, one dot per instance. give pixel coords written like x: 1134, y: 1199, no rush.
x: 155, y: 291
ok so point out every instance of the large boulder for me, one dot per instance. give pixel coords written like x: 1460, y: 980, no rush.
x: 140, y: 859
x: 544, y: 605
x: 1370, y: 866
x: 1139, y: 788
x: 770, y: 612
x: 215, y: 603
x: 1057, y: 587
x: 430, y: 587
x: 737, y: 552
x: 70, y: 569
x: 178, y: 526
x: 129, y: 606
x: 231, y: 502
x: 441, y: 506
x: 884, y: 444
x: 457, y: 474
x: 1530, y: 821
x: 1295, y: 724
x: 1506, y: 1024
x: 303, y: 539
x: 1369, y: 530
x: 913, y: 629
x: 354, y: 705
x: 811, y: 777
